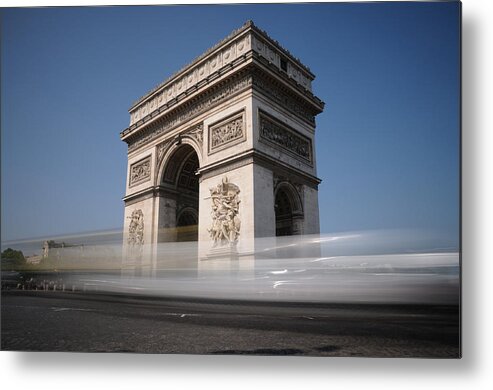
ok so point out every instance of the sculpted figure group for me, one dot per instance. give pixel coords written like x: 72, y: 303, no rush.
x: 136, y: 232
x: 225, y: 228
x: 140, y: 172
x: 227, y: 132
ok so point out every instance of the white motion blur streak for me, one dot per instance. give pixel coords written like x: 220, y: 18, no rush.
x: 398, y: 266
x: 431, y: 278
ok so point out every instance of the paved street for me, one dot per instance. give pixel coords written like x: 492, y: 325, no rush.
x: 56, y: 321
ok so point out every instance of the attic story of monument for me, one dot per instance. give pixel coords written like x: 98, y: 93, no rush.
x: 223, y: 151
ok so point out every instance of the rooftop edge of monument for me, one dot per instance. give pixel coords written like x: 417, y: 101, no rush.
x: 248, y: 25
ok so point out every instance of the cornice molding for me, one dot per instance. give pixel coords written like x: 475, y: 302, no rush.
x: 244, y: 42
x: 234, y: 34
x: 250, y: 77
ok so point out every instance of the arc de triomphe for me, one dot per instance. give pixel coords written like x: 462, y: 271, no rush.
x: 223, y: 152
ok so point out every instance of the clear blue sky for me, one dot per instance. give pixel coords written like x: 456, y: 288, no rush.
x: 387, y: 143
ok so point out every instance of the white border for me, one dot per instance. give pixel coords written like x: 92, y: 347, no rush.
x: 474, y: 371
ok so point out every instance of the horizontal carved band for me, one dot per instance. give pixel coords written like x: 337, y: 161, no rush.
x: 174, y: 87
x: 244, y: 41
x: 288, y: 139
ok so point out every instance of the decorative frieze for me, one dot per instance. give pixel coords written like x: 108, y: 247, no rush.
x: 196, y: 107
x: 285, y: 137
x: 225, y: 229
x: 140, y: 171
x: 228, y: 53
x: 173, y: 88
x: 227, y: 132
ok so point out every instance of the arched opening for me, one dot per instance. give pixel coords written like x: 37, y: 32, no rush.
x: 288, y: 211
x: 284, y: 214
x: 181, y: 182
x: 187, y: 226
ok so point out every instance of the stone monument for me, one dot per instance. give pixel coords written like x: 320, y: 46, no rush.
x: 223, y: 152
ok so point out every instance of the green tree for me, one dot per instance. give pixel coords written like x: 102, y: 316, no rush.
x: 12, y: 259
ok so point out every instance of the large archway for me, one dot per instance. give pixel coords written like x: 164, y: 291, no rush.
x: 288, y: 211
x: 180, y: 181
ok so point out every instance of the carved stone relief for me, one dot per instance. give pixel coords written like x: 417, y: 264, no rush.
x: 225, y: 229
x: 136, y: 233
x: 197, y: 133
x: 285, y: 137
x: 140, y: 171
x: 226, y: 132
x: 161, y: 150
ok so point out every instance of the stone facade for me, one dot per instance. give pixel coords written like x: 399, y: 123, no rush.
x: 226, y: 145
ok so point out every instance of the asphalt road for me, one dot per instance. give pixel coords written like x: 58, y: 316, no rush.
x: 56, y: 321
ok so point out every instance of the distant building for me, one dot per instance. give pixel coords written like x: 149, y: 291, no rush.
x: 34, y: 259
x: 50, y: 245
